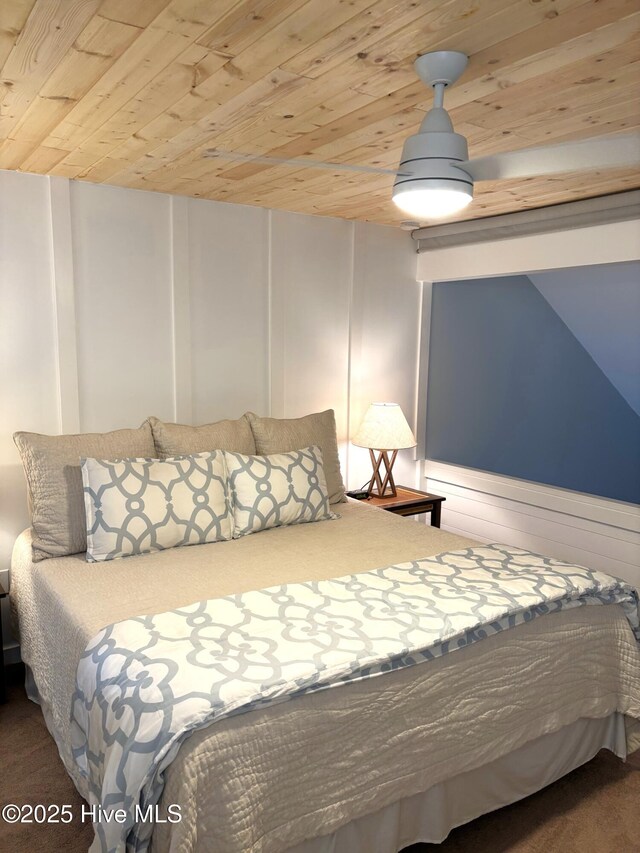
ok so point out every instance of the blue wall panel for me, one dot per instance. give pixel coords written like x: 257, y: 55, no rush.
x: 513, y: 391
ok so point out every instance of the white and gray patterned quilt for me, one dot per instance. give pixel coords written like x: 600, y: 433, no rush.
x: 145, y: 683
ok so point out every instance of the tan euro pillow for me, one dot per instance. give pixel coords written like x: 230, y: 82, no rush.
x: 180, y: 439
x: 54, y: 481
x: 276, y: 435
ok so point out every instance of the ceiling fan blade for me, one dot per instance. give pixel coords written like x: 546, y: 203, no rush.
x: 604, y: 152
x: 298, y: 162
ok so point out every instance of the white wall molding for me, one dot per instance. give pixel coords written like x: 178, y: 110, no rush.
x: 276, y: 333
x: 602, y: 210
x: 63, y: 284
x: 181, y: 310
x: 269, y: 365
x: 422, y: 370
x: 597, y: 244
x: 351, y: 427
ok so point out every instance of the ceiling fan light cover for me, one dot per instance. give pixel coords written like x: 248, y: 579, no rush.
x: 432, y: 199
x: 431, y: 181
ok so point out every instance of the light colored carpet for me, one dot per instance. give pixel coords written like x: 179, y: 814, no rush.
x: 595, y: 809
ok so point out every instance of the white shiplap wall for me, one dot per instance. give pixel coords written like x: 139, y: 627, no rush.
x: 597, y: 532
x: 117, y: 304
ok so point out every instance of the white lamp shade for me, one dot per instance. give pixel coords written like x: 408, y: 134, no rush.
x: 384, y: 427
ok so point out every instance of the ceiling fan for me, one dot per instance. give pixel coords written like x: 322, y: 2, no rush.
x: 435, y: 177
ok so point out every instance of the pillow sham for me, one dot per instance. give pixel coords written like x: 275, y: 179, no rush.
x: 276, y: 435
x: 180, y: 439
x: 54, y: 482
x: 135, y: 506
x: 276, y: 490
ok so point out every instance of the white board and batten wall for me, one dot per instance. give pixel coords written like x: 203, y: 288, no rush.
x: 597, y: 532
x: 117, y: 304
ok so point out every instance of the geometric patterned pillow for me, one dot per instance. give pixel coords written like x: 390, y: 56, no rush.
x: 271, y: 491
x: 134, y: 506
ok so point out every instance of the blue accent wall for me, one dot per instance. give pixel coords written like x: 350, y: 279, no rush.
x: 512, y: 390
x: 601, y: 307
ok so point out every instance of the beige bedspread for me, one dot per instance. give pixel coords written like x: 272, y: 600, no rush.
x: 267, y: 780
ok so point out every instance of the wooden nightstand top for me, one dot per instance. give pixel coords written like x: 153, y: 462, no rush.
x: 405, y: 497
x: 3, y: 591
x: 411, y: 502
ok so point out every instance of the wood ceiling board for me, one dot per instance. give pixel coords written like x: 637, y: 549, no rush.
x: 123, y: 127
x: 138, y: 13
x: 133, y: 92
x: 46, y: 38
x: 189, y: 146
x: 353, y: 147
x: 536, y: 54
x: 221, y: 125
x: 414, y: 92
x: 157, y: 46
x: 470, y: 27
x: 92, y: 53
x: 349, y: 149
x: 13, y: 17
x: 289, y: 149
x: 232, y: 80
x: 616, y: 69
x: 246, y: 23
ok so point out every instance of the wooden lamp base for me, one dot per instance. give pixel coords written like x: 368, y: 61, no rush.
x: 382, y: 484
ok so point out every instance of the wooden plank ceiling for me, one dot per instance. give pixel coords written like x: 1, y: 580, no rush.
x: 131, y: 92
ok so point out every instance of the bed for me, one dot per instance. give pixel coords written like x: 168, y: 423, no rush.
x: 375, y: 765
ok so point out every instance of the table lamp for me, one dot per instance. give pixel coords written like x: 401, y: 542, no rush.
x: 384, y: 428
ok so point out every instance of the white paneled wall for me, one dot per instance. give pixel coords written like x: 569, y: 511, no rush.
x: 228, y: 255
x: 29, y: 384
x: 117, y: 304
x: 122, y: 275
x: 385, y: 338
x: 311, y: 282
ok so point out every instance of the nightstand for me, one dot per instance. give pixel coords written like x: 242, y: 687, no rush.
x: 3, y: 691
x: 411, y: 502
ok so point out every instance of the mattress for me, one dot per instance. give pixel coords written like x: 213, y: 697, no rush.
x: 268, y: 780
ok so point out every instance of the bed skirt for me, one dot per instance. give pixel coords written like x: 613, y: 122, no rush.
x: 430, y: 817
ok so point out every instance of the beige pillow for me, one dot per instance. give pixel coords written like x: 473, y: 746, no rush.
x: 54, y: 480
x: 275, y: 435
x: 180, y: 439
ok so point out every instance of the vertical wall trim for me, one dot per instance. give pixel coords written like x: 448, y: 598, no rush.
x: 269, y: 359
x: 181, y: 310
x: 63, y: 287
x: 352, y: 279
x: 422, y: 369
x: 277, y: 339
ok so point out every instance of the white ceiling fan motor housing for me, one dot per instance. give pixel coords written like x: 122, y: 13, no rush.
x: 429, y: 159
